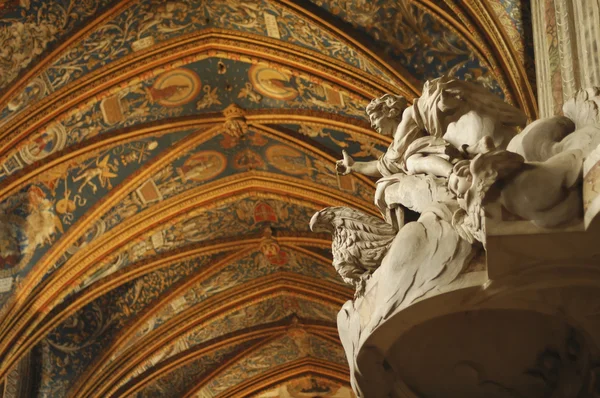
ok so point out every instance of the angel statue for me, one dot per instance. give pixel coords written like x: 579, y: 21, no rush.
x: 451, y: 121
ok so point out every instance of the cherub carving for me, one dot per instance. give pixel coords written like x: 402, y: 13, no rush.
x: 470, y: 181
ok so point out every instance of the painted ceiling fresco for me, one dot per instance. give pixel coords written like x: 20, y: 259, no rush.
x: 307, y: 386
x: 159, y: 165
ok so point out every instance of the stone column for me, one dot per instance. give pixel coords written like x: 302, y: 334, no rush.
x: 566, y: 37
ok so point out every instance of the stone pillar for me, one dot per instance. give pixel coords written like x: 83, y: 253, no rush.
x: 566, y: 37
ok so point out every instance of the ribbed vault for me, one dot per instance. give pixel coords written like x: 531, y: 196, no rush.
x: 160, y: 162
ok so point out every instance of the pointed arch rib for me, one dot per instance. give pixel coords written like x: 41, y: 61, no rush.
x: 279, y: 374
x: 103, y: 378
x: 265, y: 333
x: 118, y: 73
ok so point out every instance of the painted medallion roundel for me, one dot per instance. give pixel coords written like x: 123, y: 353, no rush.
x: 272, y: 83
x: 176, y: 87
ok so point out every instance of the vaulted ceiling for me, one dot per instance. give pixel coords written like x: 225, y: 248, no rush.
x: 160, y: 162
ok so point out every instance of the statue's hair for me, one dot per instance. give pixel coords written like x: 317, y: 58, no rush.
x: 390, y: 105
x: 462, y: 168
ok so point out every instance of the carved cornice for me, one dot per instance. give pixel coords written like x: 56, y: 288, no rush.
x: 102, y: 377
x: 279, y: 374
x: 127, y: 68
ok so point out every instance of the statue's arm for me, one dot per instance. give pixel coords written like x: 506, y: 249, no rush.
x: 367, y: 168
x: 348, y: 165
x: 431, y: 165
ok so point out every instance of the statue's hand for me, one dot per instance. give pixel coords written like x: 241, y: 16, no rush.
x: 344, y: 166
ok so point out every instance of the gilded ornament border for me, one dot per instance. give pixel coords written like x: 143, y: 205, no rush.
x: 400, y: 76
x: 118, y: 72
x: 270, y: 332
x: 304, y: 146
x: 497, y: 50
x: 129, y: 331
x: 13, y: 320
x: 341, y: 376
x: 106, y: 380
x: 266, y: 335
x: 223, y: 189
x: 36, y: 68
x: 281, y: 373
x: 118, y: 279
x: 21, y: 82
x: 30, y: 174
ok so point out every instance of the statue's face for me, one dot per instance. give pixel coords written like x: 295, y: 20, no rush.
x: 383, y: 124
x: 460, y: 184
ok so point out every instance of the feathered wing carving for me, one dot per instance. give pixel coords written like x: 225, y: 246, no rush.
x: 359, y: 242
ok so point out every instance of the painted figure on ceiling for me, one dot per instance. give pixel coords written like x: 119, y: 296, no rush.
x: 164, y: 93
x: 10, y: 251
x: 41, y: 222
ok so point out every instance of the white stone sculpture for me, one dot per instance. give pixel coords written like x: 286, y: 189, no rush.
x: 359, y: 242
x: 451, y: 120
x: 470, y: 180
x: 548, y: 190
x: 454, y: 152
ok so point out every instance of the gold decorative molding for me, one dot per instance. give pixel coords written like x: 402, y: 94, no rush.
x: 126, y: 187
x: 18, y: 310
x: 302, y: 145
x: 118, y: 279
x: 30, y: 174
x: 104, y: 378
x: 116, y: 73
x: 85, y: 261
x: 280, y: 374
x: 146, y: 266
x: 266, y: 333
x: 37, y: 67
x: 404, y: 78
